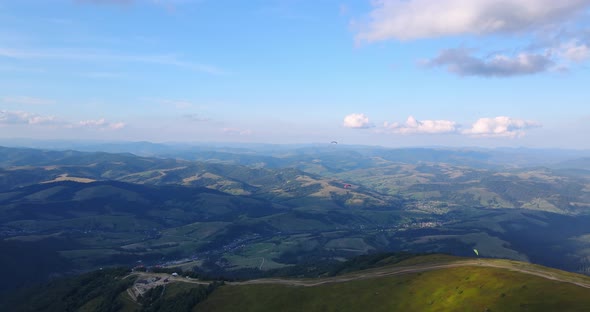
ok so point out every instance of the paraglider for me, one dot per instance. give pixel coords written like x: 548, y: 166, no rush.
x: 347, y: 186
x: 476, y: 252
x: 334, y: 142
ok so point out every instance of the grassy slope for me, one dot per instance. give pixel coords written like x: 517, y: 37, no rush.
x: 472, y: 286
x: 469, y: 288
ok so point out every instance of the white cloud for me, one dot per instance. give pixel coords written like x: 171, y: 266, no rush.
x: 484, y: 127
x: 415, y: 19
x: 500, y: 127
x: 533, y: 20
x: 413, y: 126
x: 461, y: 62
x: 195, y: 118
x: 117, y: 125
x: 106, y: 56
x: 235, y: 131
x: 357, y: 121
x: 25, y: 118
x: 39, y: 120
x: 179, y: 104
x: 92, y: 123
x: 26, y: 100
x: 575, y: 51
x: 101, y: 124
x: 22, y: 118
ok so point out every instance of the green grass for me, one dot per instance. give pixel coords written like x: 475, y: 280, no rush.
x: 174, y: 289
x: 453, y: 289
x: 91, y: 305
x: 351, y: 244
x: 128, y: 305
x: 541, y: 204
x: 434, y: 258
x: 106, y: 191
x: 240, y: 262
x: 490, y: 246
x: 45, y: 194
x: 487, y: 198
x: 198, y: 230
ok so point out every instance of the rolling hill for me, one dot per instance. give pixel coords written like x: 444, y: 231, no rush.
x: 94, y: 209
x: 375, y: 283
x: 477, y: 287
x: 379, y: 177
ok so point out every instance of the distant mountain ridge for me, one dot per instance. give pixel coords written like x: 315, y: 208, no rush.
x: 280, y: 155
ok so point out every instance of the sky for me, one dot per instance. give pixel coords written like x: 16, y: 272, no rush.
x: 393, y: 73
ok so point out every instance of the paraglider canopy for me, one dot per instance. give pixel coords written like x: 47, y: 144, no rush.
x: 334, y: 142
x: 476, y: 252
x: 347, y: 186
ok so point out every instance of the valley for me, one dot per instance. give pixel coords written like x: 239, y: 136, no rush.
x: 92, y: 210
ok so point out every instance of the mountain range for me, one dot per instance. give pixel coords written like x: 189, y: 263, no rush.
x: 233, y: 211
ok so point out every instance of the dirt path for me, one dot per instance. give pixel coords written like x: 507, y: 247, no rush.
x: 405, y: 270
x: 261, y: 264
x: 362, y: 275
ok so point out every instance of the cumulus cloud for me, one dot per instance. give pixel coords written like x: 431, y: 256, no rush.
x: 25, y: 118
x: 500, y: 127
x: 415, y: 19
x: 413, y: 126
x: 357, y: 121
x: 461, y: 62
x: 26, y: 100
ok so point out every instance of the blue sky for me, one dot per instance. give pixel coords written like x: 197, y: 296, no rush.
x: 388, y: 72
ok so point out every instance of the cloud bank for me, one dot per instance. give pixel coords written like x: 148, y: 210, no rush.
x: 498, y: 127
x: 26, y: 100
x: 413, y: 126
x: 25, y: 118
x: 15, y: 118
x: 417, y: 19
x: 563, y: 21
